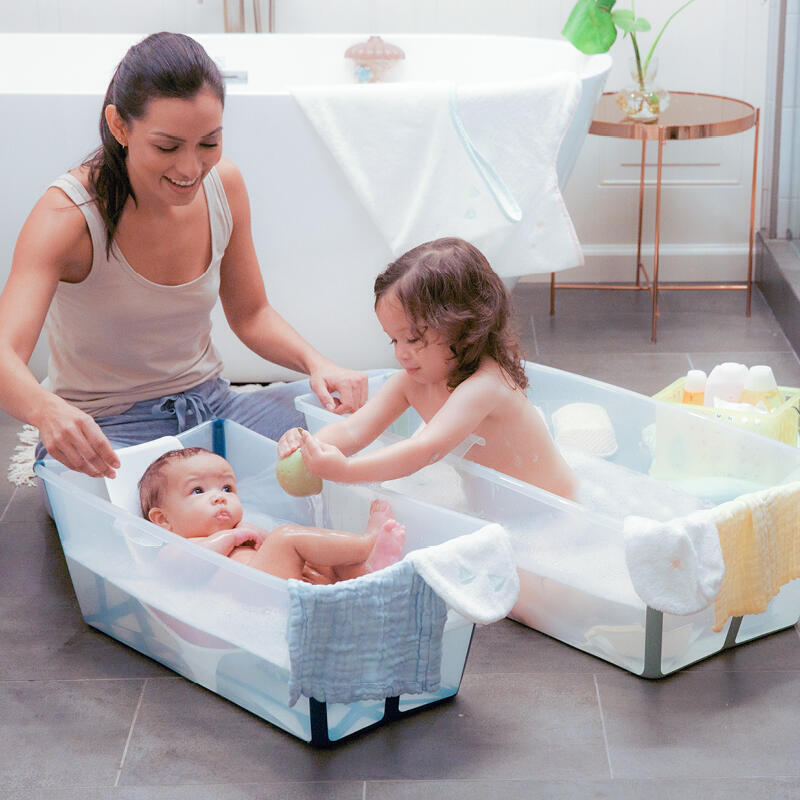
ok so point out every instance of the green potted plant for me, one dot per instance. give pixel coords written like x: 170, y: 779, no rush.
x: 592, y: 27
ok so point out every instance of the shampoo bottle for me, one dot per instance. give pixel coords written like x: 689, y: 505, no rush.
x: 694, y: 387
x: 726, y: 383
x: 760, y: 388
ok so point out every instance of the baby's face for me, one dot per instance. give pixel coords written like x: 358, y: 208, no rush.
x: 200, y: 497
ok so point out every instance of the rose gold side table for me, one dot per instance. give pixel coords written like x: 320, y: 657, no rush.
x: 689, y: 116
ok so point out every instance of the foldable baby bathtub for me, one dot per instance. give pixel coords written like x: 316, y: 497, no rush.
x: 223, y: 624
x: 575, y: 583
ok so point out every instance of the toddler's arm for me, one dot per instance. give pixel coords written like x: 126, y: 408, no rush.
x: 354, y: 432
x: 461, y: 414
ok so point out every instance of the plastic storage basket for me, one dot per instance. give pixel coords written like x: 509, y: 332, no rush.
x: 780, y: 424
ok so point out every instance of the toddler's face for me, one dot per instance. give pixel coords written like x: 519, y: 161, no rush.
x: 200, y: 497
x: 426, y: 360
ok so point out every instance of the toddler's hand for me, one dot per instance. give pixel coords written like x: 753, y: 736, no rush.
x: 322, y: 459
x: 289, y: 442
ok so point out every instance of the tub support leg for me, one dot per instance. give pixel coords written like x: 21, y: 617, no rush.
x: 733, y: 632
x: 318, y: 716
x: 653, y: 630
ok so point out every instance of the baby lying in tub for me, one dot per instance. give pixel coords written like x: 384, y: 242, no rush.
x: 192, y: 492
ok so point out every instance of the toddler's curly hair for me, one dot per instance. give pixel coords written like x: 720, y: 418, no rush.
x: 448, y: 286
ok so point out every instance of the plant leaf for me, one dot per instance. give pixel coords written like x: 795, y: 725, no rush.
x: 590, y: 27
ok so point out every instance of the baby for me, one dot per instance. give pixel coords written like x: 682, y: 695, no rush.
x: 192, y: 492
x: 446, y: 313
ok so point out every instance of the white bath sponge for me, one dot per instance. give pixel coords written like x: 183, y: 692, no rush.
x: 585, y: 426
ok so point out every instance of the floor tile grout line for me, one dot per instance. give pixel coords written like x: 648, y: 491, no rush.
x: 533, y: 333
x: 603, y: 725
x: 130, y: 733
x: 7, y: 506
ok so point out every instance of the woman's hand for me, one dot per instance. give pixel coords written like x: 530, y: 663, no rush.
x: 350, y: 384
x: 75, y: 439
x: 324, y: 460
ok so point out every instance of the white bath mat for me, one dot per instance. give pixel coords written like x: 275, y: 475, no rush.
x: 20, y: 467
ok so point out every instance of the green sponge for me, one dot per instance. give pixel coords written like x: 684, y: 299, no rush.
x: 294, y: 477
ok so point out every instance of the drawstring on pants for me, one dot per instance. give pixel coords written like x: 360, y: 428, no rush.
x: 188, y: 408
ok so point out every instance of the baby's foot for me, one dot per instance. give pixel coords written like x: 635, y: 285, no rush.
x: 379, y: 512
x: 389, y: 545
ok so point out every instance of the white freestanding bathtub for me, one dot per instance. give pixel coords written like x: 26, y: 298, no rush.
x: 318, y: 249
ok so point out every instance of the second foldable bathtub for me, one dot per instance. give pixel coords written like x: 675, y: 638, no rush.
x: 575, y: 582
x: 223, y: 624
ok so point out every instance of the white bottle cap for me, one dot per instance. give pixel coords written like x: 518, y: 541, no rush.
x: 760, y: 379
x: 695, y: 381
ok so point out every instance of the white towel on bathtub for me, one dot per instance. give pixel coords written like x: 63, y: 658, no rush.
x: 429, y: 160
x: 675, y: 566
x: 475, y: 574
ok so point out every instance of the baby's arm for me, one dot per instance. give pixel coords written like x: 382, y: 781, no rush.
x: 225, y: 542
x: 464, y: 410
x: 354, y: 432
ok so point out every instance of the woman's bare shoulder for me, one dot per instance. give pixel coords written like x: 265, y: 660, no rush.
x: 230, y: 175
x: 56, y: 229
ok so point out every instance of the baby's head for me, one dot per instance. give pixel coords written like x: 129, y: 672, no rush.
x: 447, y: 288
x: 191, y: 492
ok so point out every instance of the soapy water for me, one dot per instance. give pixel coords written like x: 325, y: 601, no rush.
x: 259, y: 627
x: 571, y: 548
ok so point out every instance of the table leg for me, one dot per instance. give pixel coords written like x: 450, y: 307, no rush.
x: 639, y: 265
x: 657, y: 232
x: 552, y: 293
x: 751, y: 240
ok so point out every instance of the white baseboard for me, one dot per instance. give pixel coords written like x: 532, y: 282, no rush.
x: 677, y: 263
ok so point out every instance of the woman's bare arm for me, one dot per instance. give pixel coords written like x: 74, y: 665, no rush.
x: 54, y: 245
x: 259, y: 325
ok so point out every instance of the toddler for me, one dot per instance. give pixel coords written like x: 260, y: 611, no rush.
x: 192, y: 492
x: 446, y: 313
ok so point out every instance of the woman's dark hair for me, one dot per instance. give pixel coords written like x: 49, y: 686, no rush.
x: 448, y: 286
x: 162, y: 65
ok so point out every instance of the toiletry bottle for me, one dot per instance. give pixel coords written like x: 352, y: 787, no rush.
x: 760, y: 388
x: 694, y: 387
x: 726, y: 383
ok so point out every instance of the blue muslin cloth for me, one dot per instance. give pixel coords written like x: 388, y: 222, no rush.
x: 366, y: 639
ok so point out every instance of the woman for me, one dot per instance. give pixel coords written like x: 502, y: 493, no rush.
x: 124, y: 258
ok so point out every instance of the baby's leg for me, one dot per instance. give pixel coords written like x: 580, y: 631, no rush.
x: 388, y: 537
x: 287, y: 548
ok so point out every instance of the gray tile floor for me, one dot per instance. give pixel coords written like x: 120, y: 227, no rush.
x: 82, y: 716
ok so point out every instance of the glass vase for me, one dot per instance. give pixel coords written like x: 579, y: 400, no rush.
x: 643, y: 101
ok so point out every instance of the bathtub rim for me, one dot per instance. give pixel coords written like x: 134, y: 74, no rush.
x: 591, y: 66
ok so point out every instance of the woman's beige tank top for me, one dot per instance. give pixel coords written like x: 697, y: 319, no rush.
x: 117, y: 338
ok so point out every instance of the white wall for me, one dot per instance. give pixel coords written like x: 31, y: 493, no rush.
x: 717, y: 46
x: 788, y: 177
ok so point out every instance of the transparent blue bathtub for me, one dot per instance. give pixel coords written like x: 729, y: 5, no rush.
x: 575, y: 584
x: 219, y: 623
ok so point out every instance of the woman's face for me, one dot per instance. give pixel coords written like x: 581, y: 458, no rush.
x: 173, y: 146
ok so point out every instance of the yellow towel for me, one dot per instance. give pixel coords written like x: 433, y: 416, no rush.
x: 760, y: 538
